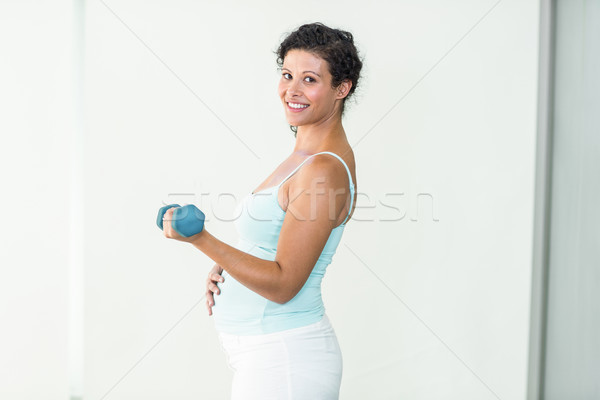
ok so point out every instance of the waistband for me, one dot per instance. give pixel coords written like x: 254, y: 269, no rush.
x: 323, y: 325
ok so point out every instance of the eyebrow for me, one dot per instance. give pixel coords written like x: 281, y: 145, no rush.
x: 305, y: 72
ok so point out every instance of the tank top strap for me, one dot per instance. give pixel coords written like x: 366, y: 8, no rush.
x: 295, y: 169
x: 351, y: 184
x: 347, y: 170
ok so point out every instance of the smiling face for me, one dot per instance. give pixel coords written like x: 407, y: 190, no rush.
x: 305, y: 89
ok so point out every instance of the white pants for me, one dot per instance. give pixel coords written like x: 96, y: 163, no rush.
x: 299, y: 364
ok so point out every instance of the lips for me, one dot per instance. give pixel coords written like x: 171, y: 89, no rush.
x: 296, y: 109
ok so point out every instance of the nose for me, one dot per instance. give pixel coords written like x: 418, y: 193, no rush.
x: 293, y: 88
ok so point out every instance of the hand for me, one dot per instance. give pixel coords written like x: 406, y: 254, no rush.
x: 214, y: 276
x: 172, y: 233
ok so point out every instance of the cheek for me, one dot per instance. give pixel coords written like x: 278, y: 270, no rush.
x: 315, y: 95
x: 281, y: 89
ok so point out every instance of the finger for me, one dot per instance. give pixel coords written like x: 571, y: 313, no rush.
x: 213, y: 288
x: 213, y: 278
x: 209, y: 302
x: 166, y: 226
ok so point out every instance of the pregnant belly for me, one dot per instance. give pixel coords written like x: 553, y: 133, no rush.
x: 237, y: 303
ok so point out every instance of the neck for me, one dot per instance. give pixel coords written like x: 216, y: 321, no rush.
x: 315, y: 138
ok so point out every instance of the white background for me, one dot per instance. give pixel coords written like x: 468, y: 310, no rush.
x: 429, y: 300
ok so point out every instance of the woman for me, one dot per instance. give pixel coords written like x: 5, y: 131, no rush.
x: 269, y: 314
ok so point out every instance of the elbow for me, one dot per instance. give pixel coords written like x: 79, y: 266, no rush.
x: 285, y: 295
x: 285, y: 291
x: 280, y: 290
x: 281, y: 297
x: 280, y: 301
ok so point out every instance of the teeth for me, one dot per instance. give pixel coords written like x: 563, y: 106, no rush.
x: 294, y: 105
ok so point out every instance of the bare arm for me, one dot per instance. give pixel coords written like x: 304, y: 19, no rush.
x: 317, y: 197
x: 259, y: 275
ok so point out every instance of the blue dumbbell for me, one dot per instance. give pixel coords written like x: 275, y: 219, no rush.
x: 187, y: 220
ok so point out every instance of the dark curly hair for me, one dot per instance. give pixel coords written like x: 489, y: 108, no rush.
x: 334, y: 46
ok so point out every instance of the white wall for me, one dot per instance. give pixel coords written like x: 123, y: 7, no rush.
x: 181, y: 98
x: 36, y: 115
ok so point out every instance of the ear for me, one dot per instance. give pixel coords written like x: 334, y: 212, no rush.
x: 343, y: 89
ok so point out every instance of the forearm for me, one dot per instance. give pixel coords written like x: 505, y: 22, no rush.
x: 261, y: 276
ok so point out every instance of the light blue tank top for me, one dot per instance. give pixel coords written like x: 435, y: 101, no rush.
x: 241, y: 311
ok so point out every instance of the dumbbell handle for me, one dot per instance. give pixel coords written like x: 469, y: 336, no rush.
x: 187, y: 220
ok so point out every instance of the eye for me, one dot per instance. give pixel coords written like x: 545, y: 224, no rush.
x: 310, y: 79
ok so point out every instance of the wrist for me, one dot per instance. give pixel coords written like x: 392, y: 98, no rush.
x: 198, y: 239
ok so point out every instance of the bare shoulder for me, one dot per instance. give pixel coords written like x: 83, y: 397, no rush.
x: 347, y: 155
x: 324, y: 170
x: 324, y: 174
